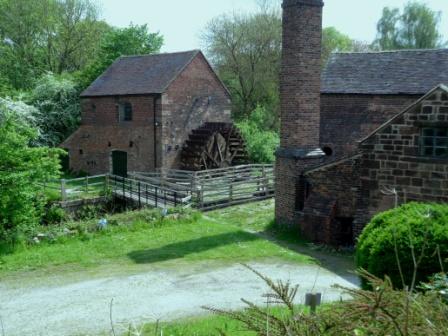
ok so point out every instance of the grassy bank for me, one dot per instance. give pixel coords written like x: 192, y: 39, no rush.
x: 142, y: 238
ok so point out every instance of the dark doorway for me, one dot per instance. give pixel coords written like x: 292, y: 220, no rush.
x: 65, y: 161
x: 120, y: 163
x: 345, y: 231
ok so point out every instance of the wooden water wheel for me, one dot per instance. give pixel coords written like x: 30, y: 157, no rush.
x: 214, y: 145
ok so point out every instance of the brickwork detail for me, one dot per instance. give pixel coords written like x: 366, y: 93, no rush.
x: 300, y: 101
x: 348, y: 118
x: 194, y: 97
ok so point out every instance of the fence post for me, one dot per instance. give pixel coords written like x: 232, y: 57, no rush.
x: 106, y: 184
x: 230, y: 192
x: 87, y: 184
x: 63, y: 191
x: 201, y: 195
x: 157, y: 196
x: 139, y: 198
x: 175, y: 199
x: 146, y: 194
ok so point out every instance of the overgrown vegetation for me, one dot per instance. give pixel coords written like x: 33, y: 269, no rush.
x: 261, y: 143
x: 400, y: 241
x: 21, y: 168
x: 180, y: 237
x: 382, y: 311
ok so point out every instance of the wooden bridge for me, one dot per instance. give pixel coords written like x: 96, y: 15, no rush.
x: 205, y: 190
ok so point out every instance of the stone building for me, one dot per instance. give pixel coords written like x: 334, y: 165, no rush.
x: 374, y: 123
x: 137, y: 115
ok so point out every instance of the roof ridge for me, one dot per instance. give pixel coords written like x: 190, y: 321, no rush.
x: 161, y: 54
x: 389, y: 51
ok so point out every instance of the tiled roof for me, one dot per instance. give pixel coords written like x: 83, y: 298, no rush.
x: 391, y: 72
x: 130, y: 75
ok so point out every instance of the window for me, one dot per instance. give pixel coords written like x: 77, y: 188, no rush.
x: 434, y: 142
x: 125, y: 112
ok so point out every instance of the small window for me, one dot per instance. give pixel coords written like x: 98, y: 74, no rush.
x: 93, y: 108
x: 125, y: 112
x: 434, y: 142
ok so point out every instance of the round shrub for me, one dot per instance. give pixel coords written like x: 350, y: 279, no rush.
x: 392, y: 235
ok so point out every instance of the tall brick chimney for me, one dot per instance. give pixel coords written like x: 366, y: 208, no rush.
x: 300, y: 104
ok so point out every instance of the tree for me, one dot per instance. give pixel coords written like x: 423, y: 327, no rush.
x: 417, y: 27
x: 133, y: 40
x: 21, y: 168
x: 58, y: 110
x: 246, y: 50
x: 46, y: 35
x: 334, y: 41
x: 261, y: 143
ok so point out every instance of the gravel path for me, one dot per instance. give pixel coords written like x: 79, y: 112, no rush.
x: 82, y: 307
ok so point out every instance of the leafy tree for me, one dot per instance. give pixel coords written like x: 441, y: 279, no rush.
x: 133, y: 40
x: 46, y: 35
x: 58, y: 110
x: 334, y: 41
x: 417, y: 27
x: 21, y: 168
x: 260, y: 143
x: 246, y: 50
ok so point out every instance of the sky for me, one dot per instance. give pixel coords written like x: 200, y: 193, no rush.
x: 181, y: 21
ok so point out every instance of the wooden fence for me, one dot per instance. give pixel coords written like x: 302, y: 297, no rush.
x: 78, y: 188
x: 211, y: 189
x: 205, y: 190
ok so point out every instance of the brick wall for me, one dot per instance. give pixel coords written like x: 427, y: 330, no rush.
x: 347, y: 119
x: 300, y: 101
x: 195, y: 97
x: 392, y: 159
x: 333, y: 194
x: 101, y: 133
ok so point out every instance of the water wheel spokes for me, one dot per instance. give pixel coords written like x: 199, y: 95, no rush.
x: 214, y: 145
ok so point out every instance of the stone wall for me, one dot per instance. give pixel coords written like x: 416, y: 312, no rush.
x: 392, y: 159
x: 347, y: 119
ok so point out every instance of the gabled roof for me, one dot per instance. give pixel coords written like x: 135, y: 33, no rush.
x: 409, y: 108
x: 146, y: 74
x: 390, y: 72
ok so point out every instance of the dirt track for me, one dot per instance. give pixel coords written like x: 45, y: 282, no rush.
x: 81, y: 306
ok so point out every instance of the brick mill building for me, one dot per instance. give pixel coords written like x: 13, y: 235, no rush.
x: 138, y: 114
x: 370, y: 124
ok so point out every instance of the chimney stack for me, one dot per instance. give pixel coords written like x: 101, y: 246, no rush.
x: 300, y: 104
x: 300, y: 75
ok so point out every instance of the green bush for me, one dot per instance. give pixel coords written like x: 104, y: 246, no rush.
x: 261, y: 144
x: 54, y: 214
x: 413, y: 231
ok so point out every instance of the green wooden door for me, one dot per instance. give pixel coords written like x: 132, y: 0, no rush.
x: 120, y: 163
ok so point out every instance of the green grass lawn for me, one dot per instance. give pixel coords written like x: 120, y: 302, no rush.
x: 217, y: 237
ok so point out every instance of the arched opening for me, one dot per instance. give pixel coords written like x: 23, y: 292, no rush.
x: 328, y: 151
